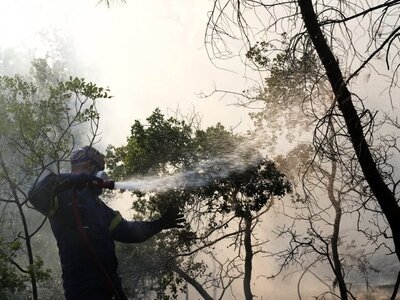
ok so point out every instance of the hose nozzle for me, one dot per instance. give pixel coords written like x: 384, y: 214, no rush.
x: 106, y: 183
x: 109, y: 184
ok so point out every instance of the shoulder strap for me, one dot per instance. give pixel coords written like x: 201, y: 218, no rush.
x: 111, y: 289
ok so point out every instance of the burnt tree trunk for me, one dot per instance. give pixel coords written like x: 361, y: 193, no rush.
x: 248, y: 259
x: 381, y: 191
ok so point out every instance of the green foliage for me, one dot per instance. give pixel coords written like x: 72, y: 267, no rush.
x: 41, y: 273
x: 214, y: 141
x: 39, y: 118
x: 39, y: 123
x: 285, y: 63
x: 247, y: 191
x: 145, y: 151
x: 294, y: 80
x: 11, y: 279
x: 231, y: 181
x: 259, y: 54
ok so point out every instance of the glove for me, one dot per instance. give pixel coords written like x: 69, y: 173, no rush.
x: 77, y: 181
x: 82, y: 180
x: 172, y: 218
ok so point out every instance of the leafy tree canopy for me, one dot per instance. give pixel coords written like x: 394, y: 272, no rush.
x: 222, y: 174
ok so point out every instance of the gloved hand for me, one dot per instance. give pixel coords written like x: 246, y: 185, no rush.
x: 77, y: 181
x: 82, y: 180
x: 172, y: 218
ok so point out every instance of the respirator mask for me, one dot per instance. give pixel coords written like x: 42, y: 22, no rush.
x: 106, y: 183
x: 102, y: 175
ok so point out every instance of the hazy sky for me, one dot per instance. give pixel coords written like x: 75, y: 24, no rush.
x: 149, y: 53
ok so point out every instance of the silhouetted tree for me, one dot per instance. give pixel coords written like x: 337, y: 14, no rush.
x: 38, y: 121
x: 325, y: 27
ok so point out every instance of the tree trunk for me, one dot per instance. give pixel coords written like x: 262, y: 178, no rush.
x: 337, y: 265
x: 247, y: 260
x: 381, y: 191
x: 199, y: 288
x: 26, y: 235
x: 30, y: 253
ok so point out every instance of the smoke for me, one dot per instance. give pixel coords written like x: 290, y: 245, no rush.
x: 244, y: 156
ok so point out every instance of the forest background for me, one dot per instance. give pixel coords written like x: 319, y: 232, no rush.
x: 330, y: 236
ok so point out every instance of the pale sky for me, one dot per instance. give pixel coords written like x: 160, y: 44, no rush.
x: 149, y: 53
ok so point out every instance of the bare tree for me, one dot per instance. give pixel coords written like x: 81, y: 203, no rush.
x: 323, y: 23
x: 384, y: 196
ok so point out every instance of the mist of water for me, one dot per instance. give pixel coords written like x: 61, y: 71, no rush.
x: 238, y: 160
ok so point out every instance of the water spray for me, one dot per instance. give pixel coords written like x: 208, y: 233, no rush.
x: 148, y: 184
x: 202, y: 174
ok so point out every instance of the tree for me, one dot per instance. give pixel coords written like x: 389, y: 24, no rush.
x: 352, y: 121
x: 325, y: 23
x: 39, y: 121
x: 348, y: 38
x: 384, y: 196
x: 358, y: 33
x: 10, y: 279
x: 314, y: 228
x: 315, y: 175
x: 226, y: 186
x: 291, y: 92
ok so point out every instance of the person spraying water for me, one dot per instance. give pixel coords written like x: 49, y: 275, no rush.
x: 85, y: 227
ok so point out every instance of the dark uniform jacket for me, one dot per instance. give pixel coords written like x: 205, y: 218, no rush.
x: 89, y: 265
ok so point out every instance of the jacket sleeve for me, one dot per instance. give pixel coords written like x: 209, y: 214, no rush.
x: 43, y: 194
x: 133, y: 231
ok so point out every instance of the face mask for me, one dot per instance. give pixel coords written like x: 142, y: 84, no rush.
x: 103, y: 175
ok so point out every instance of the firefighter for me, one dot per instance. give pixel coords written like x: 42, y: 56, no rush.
x: 85, y: 228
